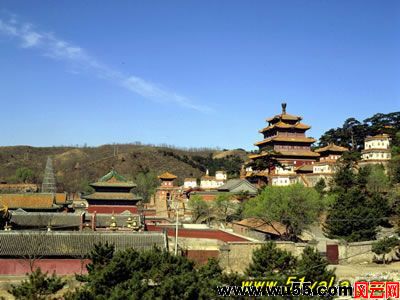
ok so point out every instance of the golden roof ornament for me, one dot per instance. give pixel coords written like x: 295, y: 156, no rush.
x: 7, y: 227
x: 113, y: 224
x: 129, y: 222
x: 283, y: 108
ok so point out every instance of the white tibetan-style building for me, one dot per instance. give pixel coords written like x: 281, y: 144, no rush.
x: 376, y: 150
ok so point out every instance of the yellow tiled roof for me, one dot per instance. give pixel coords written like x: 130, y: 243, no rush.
x: 34, y: 200
x: 168, y: 176
x: 285, y: 153
x: 286, y: 139
x: 284, y: 117
x: 377, y: 137
x: 281, y: 124
x: 332, y: 147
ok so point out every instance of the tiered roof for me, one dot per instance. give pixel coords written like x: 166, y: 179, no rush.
x: 113, y: 179
x: 332, y: 148
x: 167, y: 176
x: 113, y: 187
x: 284, y: 116
x: 377, y: 137
x: 290, y: 125
x: 285, y: 130
x: 283, y: 125
x: 278, y: 138
x: 285, y: 153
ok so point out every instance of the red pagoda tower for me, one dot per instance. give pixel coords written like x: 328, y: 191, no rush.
x: 285, y: 141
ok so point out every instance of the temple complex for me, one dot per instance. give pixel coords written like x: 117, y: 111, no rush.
x: 285, y: 142
x: 112, y: 194
x: 376, y: 150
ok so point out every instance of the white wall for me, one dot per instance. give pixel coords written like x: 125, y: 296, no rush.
x: 190, y: 184
x: 377, y: 144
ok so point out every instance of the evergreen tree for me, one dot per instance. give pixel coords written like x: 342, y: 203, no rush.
x: 270, y: 262
x: 320, y: 187
x: 151, y: 274
x: 385, y: 246
x: 355, y: 214
x: 313, y: 266
x: 38, y: 286
x: 100, y: 256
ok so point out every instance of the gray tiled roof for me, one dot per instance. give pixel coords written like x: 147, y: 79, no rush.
x: 104, y: 220
x: 238, y: 185
x: 21, y: 218
x: 72, y: 243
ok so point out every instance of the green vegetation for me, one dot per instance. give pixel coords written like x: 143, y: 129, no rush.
x: 201, y: 210
x: 147, y: 183
x: 353, y: 132
x: 38, y: 286
x: 222, y: 209
x: 359, y: 206
x: 320, y: 187
x: 24, y: 175
x: 272, y: 263
x: 313, y: 266
x: 294, y: 206
x: 394, y: 169
x: 151, y: 274
x: 75, y: 167
x: 385, y: 246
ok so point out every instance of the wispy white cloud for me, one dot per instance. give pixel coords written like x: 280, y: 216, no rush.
x: 55, y: 48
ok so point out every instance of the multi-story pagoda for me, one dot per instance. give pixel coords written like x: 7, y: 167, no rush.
x: 285, y: 142
x: 112, y: 194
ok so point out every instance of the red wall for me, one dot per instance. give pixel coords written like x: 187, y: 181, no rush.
x: 199, y: 233
x: 58, y: 265
x: 109, y: 209
x: 200, y: 257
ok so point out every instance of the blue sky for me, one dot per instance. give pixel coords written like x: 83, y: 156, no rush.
x: 191, y: 73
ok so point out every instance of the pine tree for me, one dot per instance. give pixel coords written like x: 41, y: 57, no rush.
x: 100, y: 256
x: 320, y: 187
x: 355, y: 214
x: 313, y: 266
x: 38, y: 286
x: 151, y: 274
x: 270, y: 262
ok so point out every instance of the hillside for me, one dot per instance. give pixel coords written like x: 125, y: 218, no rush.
x: 75, y: 167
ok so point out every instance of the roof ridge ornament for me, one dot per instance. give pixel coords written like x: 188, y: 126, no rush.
x: 284, y: 108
